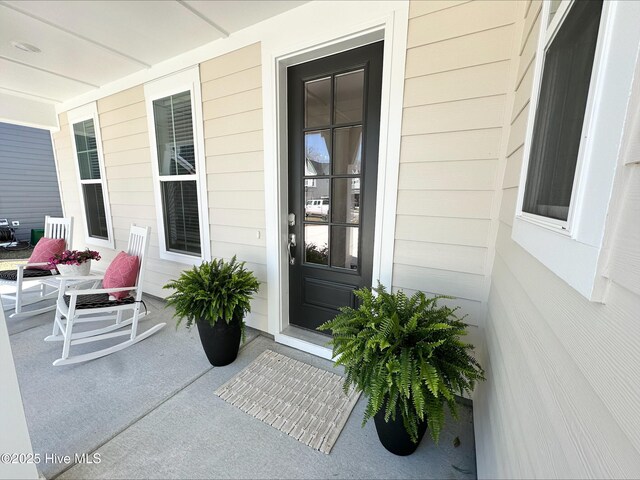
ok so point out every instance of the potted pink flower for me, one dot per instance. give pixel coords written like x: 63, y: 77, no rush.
x: 74, y: 262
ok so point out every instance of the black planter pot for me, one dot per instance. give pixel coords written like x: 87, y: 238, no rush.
x: 393, y: 435
x: 220, y: 341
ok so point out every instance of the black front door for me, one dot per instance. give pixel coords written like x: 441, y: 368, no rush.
x: 334, y: 123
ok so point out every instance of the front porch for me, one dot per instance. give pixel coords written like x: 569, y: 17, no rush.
x: 149, y: 412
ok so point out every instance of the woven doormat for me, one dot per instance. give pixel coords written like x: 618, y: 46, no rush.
x: 302, y: 401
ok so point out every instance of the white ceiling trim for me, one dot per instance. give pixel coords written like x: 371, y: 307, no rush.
x: 203, y: 17
x: 30, y: 96
x: 76, y: 35
x: 27, y: 112
x: 50, y: 72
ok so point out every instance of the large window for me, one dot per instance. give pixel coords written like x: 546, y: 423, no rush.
x: 85, y: 131
x: 583, y: 76
x: 557, y: 131
x: 178, y: 166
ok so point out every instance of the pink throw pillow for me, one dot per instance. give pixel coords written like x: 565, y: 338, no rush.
x: 44, y: 250
x: 122, y: 272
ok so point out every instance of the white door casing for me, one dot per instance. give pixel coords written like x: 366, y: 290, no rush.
x: 354, y: 27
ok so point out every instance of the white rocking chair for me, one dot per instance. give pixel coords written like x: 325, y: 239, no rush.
x: 77, y: 306
x: 25, y: 281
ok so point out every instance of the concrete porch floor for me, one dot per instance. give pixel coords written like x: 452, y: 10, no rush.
x: 149, y: 412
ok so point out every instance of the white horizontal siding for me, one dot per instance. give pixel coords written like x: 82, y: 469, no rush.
x: 232, y: 109
x: 231, y: 91
x: 470, y: 50
x: 447, y: 230
x: 458, y: 64
x: 464, y: 175
x: 472, y: 114
x: 562, y: 392
x: 624, y: 263
x: 458, y: 145
x: 445, y: 24
x: 472, y: 82
x: 443, y: 203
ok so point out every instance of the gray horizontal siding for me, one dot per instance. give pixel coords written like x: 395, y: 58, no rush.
x: 28, y: 180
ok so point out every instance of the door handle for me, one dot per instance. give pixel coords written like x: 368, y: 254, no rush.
x: 291, y: 244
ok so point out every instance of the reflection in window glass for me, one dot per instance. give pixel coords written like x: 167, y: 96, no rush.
x: 316, y: 196
x: 346, y: 207
x: 174, y: 134
x: 344, y: 247
x: 349, y: 97
x: 316, y: 244
x: 317, y: 99
x: 347, y: 150
x: 555, y: 4
x: 94, y: 207
x: 181, y: 222
x: 562, y: 102
x: 87, y: 150
x: 317, y: 146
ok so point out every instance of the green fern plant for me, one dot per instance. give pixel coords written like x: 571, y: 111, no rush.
x: 214, y: 290
x: 404, y: 353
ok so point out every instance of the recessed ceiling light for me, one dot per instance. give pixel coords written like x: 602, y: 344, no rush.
x: 25, y: 47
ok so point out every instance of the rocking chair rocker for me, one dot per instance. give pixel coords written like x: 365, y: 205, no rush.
x: 76, y: 306
x: 26, y: 280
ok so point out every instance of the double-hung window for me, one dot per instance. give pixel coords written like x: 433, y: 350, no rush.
x: 582, y: 80
x: 177, y: 151
x: 87, y: 148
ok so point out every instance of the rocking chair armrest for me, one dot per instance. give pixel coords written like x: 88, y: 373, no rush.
x: 25, y: 265
x: 100, y: 290
x: 75, y: 278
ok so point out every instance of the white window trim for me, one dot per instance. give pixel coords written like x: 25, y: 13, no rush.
x: 77, y: 115
x: 188, y: 79
x: 572, y: 249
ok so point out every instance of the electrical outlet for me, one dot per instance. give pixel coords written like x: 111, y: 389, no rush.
x: 15, y: 223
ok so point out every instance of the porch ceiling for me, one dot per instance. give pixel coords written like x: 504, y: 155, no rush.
x: 87, y: 44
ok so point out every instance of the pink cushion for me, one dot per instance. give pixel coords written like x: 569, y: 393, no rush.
x: 122, y: 272
x: 44, y: 250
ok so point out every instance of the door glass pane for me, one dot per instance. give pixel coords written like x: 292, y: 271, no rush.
x: 174, y: 134
x: 347, y: 150
x: 317, y: 157
x: 346, y: 200
x: 94, y: 206
x: 181, y: 223
x: 344, y: 247
x: 87, y: 150
x: 316, y: 196
x: 348, y: 97
x: 316, y: 244
x: 317, y: 100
